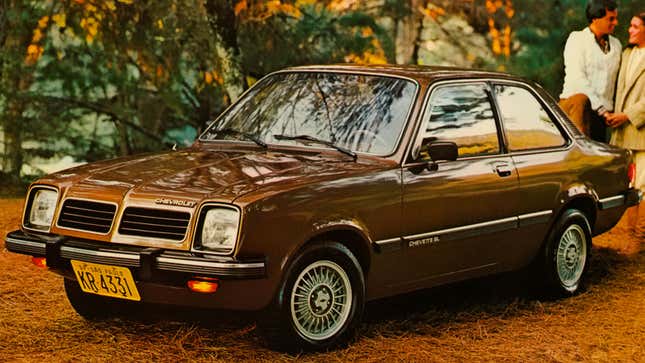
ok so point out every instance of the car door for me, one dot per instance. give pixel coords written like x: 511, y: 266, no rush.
x: 543, y: 159
x: 455, y: 218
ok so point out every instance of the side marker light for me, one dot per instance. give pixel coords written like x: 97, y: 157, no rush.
x: 39, y: 261
x: 205, y: 285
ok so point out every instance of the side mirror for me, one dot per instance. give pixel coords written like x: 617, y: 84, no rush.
x: 439, y: 150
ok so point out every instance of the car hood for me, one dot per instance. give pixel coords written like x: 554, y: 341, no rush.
x: 192, y: 175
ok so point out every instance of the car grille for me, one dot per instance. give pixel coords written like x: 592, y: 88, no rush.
x: 87, y: 215
x: 154, y: 223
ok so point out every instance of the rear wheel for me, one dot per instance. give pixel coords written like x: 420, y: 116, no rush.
x: 567, y: 253
x: 321, y: 302
x: 94, y: 307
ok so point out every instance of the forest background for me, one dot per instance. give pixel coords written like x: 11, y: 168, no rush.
x: 85, y: 80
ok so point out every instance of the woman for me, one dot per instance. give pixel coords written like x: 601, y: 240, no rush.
x: 628, y: 121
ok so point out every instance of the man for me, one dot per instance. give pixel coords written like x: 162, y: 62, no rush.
x: 591, y: 62
x: 628, y: 122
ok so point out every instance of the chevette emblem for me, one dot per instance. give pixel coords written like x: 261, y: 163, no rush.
x: 175, y: 202
x: 424, y: 241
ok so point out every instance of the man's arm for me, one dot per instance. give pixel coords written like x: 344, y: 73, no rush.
x: 574, y: 68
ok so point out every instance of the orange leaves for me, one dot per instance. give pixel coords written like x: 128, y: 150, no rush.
x: 342, y: 5
x: 35, y: 49
x: 42, y: 23
x: 376, y: 55
x: 239, y: 7
x: 213, y: 76
x: 367, y: 58
x: 60, y: 19
x: 259, y: 11
x: 94, y: 12
x: 432, y: 11
x: 38, y: 35
x: 500, y: 37
x: 91, y: 27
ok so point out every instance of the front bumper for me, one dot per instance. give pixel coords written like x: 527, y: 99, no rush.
x: 148, y: 261
x: 160, y: 275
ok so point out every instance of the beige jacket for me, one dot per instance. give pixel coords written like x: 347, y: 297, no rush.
x: 630, y: 99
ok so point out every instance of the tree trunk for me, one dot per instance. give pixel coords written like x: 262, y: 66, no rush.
x: 408, y: 30
x: 223, y: 23
x: 13, y: 159
x: 14, y: 80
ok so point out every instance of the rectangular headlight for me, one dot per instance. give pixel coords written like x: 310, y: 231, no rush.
x: 42, y: 208
x: 219, y: 227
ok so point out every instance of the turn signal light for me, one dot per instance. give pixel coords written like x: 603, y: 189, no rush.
x: 39, y: 261
x: 205, y: 285
x: 631, y: 174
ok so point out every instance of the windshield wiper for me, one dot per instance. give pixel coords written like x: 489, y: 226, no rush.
x: 230, y: 131
x: 317, y: 141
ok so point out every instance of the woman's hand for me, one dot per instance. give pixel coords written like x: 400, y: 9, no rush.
x: 615, y: 119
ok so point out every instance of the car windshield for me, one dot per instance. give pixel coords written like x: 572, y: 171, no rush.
x: 362, y: 113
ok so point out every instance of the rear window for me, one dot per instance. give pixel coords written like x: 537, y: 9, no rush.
x: 526, y: 123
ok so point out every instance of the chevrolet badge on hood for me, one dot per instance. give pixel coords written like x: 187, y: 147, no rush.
x: 175, y: 202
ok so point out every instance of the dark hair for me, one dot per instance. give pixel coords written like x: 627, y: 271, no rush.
x: 598, y: 8
x: 641, y: 15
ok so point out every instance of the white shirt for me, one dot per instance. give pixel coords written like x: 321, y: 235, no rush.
x: 588, y: 70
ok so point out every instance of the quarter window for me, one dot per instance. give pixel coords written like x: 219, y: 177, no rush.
x: 527, y: 125
x: 462, y: 114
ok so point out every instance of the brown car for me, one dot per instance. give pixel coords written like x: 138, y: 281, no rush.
x: 326, y: 187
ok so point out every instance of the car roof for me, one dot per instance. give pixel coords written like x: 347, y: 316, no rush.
x: 417, y: 72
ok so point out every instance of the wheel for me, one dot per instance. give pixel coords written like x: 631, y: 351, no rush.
x: 93, y: 307
x: 320, y: 303
x: 567, y: 253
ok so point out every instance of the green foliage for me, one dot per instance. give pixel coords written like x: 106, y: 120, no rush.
x: 319, y: 36
x: 95, y: 79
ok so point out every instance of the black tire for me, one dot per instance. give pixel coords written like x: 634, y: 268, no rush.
x: 567, y: 254
x: 94, y: 307
x: 310, y: 311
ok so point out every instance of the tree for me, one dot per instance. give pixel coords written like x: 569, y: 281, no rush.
x: 16, y: 22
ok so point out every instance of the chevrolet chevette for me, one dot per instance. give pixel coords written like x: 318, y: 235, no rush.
x: 324, y: 187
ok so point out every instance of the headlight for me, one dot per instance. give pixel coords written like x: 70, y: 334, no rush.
x: 42, y: 208
x: 219, y: 226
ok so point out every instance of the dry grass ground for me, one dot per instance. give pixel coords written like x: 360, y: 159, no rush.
x: 495, y: 319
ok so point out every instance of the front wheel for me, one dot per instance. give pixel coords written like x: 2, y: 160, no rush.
x: 567, y: 253
x: 321, y: 302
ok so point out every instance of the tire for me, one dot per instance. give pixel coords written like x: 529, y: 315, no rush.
x: 567, y: 253
x: 320, y: 303
x: 94, y: 307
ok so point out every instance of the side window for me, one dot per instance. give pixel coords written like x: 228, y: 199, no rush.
x: 462, y: 113
x: 527, y: 124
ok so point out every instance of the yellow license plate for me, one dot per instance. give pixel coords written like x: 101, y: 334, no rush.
x: 106, y: 280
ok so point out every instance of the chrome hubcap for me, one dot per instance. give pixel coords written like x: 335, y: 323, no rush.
x: 321, y: 300
x: 572, y: 255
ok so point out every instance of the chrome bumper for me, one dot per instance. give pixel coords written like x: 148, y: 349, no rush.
x: 630, y: 198
x: 58, y: 249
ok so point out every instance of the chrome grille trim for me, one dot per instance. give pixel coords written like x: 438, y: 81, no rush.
x: 154, y: 223
x: 87, y: 215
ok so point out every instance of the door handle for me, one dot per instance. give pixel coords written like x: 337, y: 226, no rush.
x: 503, y: 170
